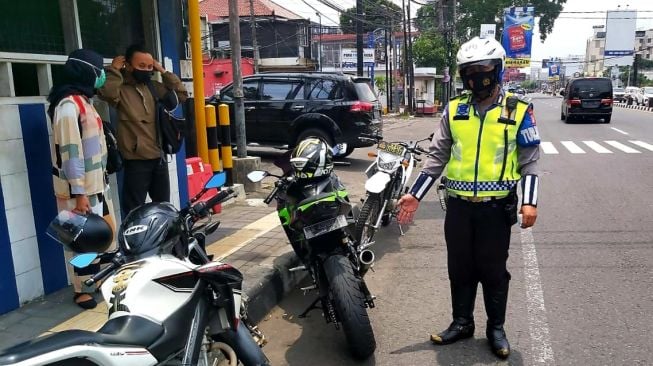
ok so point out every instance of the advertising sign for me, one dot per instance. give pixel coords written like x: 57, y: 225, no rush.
x: 348, y: 56
x: 620, y: 37
x: 517, y: 35
x: 488, y: 31
x: 554, y: 70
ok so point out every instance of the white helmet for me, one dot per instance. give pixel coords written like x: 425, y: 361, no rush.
x: 481, y: 51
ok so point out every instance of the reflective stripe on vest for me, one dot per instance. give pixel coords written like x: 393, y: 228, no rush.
x: 481, y: 163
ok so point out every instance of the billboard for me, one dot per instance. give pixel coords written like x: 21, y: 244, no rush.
x: 620, y: 37
x: 554, y: 69
x: 348, y: 56
x: 517, y: 37
x: 488, y: 31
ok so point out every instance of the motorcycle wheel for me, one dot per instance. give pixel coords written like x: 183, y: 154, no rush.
x: 349, y: 303
x: 367, y: 218
x: 385, y: 220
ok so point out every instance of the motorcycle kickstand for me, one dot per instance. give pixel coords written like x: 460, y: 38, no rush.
x: 313, y: 306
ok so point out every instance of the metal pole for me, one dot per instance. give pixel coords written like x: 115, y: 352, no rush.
x: 411, y: 69
x: 319, y: 49
x: 239, y: 110
x: 387, y: 69
x: 198, y: 79
x: 359, y: 37
x: 392, y: 60
x: 252, y: 20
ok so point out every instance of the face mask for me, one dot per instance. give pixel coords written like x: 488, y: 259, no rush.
x: 100, y: 80
x: 484, y: 83
x: 142, y: 76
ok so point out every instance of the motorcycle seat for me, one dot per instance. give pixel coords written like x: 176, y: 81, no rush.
x: 128, y: 330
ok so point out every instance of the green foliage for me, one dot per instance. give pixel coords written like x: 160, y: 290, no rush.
x: 529, y: 84
x: 472, y: 13
x: 377, y: 14
x: 429, y: 50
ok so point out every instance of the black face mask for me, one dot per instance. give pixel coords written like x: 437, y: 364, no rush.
x: 142, y: 76
x: 484, y: 83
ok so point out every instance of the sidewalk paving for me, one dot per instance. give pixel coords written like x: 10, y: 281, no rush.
x: 249, y: 238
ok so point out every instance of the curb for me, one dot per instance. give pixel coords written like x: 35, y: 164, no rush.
x: 274, y: 283
x: 636, y: 107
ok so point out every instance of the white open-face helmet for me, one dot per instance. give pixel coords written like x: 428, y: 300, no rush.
x: 481, y: 51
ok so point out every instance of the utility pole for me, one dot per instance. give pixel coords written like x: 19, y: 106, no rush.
x: 239, y: 110
x: 392, y: 61
x: 411, y: 69
x: 388, y: 102
x: 636, y: 69
x: 404, y: 50
x: 359, y: 37
x: 319, y: 47
x: 252, y: 20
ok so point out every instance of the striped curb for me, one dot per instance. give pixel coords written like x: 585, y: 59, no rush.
x: 632, y: 106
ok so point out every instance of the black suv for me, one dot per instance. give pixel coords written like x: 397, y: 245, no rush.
x: 283, y: 108
x: 587, y: 97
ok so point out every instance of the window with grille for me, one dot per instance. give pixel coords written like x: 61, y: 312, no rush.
x: 31, y: 26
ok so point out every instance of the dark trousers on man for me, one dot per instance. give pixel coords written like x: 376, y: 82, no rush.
x: 143, y: 177
x: 478, y: 239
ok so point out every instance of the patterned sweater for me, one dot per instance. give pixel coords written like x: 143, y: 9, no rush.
x: 79, y: 152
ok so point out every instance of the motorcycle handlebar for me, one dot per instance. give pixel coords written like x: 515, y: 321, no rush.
x: 200, y: 208
x: 116, y: 262
x: 272, y: 194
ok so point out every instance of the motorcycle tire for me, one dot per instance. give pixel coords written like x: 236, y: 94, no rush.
x: 367, y: 219
x: 349, y: 303
x: 247, y: 351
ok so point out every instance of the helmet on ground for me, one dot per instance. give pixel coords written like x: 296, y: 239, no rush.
x: 81, y: 233
x: 153, y: 228
x: 311, y: 158
x: 483, y: 52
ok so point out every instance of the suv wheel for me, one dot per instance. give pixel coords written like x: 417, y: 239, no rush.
x: 315, y: 132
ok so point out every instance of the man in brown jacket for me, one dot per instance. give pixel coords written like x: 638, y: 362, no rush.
x: 127, y: 90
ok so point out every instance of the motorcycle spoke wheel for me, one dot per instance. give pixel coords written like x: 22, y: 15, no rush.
x: 367, y: 218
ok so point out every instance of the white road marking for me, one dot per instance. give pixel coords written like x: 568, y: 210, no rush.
x: 596, y: 147
x: 622, y: 147
x: 548, y: 148
x: 572, y: 147
x: 620, y: 131
x: 538, y: 325
x: 642, y: 144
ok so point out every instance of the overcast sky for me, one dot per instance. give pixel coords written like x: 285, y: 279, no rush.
x: 569, y: 34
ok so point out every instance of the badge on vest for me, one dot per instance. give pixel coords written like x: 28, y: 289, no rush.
x: 462, y: 112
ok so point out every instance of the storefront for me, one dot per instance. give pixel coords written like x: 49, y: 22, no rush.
x: 35, y: 37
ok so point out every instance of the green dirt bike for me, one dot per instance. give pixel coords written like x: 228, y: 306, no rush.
x: 319, y: 221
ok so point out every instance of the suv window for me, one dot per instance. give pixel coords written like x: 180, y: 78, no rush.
x: 277, y: 90
x: 364, y: 92
x: 325, y: 89
x: 583, y: 88
x: 250, y: 91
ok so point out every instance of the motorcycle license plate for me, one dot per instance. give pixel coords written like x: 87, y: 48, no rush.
x: 324, y: 227
x: 394, y: 149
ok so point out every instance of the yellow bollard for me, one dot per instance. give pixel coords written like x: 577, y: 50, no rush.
x: 225, y: 142
x: 212, y: 138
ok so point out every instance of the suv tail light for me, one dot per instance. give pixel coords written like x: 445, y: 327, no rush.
x: 359, y: 106
x: 571, y: 102
x: 606, y: 101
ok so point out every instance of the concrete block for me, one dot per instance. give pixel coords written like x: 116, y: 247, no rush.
x: 242, y: 166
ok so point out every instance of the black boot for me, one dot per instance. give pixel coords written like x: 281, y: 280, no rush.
x: 496, y: 299
x: 462, y: 301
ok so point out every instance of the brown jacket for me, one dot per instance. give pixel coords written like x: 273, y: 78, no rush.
x: 137, y: 136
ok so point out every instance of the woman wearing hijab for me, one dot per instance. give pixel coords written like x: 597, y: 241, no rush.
x: 79, y: 152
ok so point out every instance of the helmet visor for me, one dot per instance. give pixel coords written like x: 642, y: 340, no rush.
x: 491, y: 62
x: 66, y: 227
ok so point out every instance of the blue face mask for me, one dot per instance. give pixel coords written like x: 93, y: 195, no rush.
x: 100, y: 80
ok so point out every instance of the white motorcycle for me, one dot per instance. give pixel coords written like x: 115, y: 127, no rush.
x: 388, y: 179
x: 169, y: 304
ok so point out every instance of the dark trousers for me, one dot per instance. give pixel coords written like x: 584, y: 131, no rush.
x: 478, y: 238
x: 143, y: 177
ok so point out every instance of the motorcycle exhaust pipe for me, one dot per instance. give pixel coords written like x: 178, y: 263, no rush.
x: 366, y: 259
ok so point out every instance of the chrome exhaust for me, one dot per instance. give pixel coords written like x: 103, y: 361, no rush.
x: 366, y: 259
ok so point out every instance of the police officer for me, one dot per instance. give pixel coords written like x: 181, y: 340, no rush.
x: 489, y: 142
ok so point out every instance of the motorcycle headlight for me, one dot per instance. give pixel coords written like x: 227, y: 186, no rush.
x: 388, y: 161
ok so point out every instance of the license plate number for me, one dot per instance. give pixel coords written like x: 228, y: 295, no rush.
x: 324, y: 227
x: 590, y: 104
x: 394, y: 149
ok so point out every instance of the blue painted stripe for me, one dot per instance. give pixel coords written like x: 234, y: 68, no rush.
x: 171, y: 38
x: 33, y: 123
x: 8, y: 290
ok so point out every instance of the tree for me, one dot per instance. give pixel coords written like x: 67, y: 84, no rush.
x: 429, y: 50
x: 472, y: 13
x: 377, y: 14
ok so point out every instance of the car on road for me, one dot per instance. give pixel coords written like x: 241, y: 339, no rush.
x: 647, y: 93
x: 634, y: 95
x: 587, y: 98
x: 618, y: 94
x: 284, y: 108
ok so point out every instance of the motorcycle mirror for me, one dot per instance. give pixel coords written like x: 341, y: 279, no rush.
x: 257, y: 175
x: 216, y: 181
x: 83, y: 260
